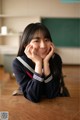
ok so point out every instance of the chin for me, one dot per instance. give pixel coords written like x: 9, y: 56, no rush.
x: 43, y: 56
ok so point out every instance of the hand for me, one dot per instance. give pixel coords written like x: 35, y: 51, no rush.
x: 49, y: 55
x: 32, y: 54
x: 46, y: 68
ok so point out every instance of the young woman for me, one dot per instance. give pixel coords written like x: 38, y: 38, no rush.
x: 40, y: 76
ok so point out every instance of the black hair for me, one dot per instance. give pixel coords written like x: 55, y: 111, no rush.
x: 28, y: 34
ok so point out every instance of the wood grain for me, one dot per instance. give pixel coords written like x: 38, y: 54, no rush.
x: 61, y: 108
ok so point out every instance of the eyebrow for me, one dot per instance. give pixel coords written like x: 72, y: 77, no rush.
x: 36, y: 38
x: 40, y: 37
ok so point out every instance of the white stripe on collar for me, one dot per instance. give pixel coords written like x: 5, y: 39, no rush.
x: 25, y: 64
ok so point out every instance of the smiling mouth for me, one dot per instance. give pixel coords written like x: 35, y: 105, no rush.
x: 43, y: 53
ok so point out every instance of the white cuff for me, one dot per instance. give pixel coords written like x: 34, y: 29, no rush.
x: 48, y: 79
x: 37, y: 78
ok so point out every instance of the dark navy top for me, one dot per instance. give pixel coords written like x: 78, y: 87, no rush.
x: 35, y: 86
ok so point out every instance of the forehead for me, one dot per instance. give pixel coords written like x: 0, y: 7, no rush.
x: 39, y: 33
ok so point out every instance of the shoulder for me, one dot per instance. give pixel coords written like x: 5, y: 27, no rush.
x: 56, y: 56
x: 17, y: 66
x: 16, y: 62
x: 19, y: 62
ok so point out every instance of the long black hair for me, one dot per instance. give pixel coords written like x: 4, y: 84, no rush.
x: 28, y: 34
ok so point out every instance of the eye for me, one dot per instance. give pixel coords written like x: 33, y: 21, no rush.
x: 35, y: 40
x: 47, y: 40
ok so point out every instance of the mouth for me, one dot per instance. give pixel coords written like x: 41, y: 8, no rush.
x: 43, y: 52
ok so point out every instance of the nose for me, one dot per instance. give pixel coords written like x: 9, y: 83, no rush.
x: 42, y: 44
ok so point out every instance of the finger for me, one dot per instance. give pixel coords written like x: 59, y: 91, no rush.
x: 52, y: 44
x: 28, y: 48
x: 52, y: 50
x: 52, y: 47
x: 34, y: 51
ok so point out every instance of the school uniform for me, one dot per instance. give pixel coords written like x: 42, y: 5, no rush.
x: 34, y: 86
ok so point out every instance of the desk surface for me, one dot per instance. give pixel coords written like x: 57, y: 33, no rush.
x: 19, y: 108
x: 62, y: 108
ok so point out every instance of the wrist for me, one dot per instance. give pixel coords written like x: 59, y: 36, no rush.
x: 39, y: 63
x: 38, y: 68
x: 45, y: 63
x: 46, y: 68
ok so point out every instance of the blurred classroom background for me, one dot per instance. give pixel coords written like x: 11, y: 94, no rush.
x: 62, y: 17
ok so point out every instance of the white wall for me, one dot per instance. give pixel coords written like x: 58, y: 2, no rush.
x: 0, y: 12
x: 69, y: 55
x: 0, y: 19
x: 0, y: 5
x: 45, y: 8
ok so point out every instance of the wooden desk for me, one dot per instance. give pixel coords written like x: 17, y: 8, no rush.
x: 20, y: 108
x: 63, y: 108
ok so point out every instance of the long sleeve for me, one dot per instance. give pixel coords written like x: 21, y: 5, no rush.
x: 52, y: 86
x: 52, y: 81
x: 31, y: 84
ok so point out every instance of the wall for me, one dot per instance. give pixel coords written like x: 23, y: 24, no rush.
x: 16, y: 25
x: 44, y: 8
x: 69, y: 55
x: 0, y: 6
x: 0, y: 31
x: 0, y: 12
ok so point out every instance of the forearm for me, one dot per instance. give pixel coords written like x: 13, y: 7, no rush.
x: 38, y: 68
x: 46, y: 68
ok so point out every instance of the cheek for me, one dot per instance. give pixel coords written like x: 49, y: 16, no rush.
x: 34, y: 45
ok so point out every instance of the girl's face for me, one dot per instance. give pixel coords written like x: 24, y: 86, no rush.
x: 41, y: 44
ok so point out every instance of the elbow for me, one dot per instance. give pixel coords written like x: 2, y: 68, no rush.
x: 35, y: 100
x: 32, y: 97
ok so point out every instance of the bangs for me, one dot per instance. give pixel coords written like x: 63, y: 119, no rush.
x: 39, y: 27
x: 45, y: 33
